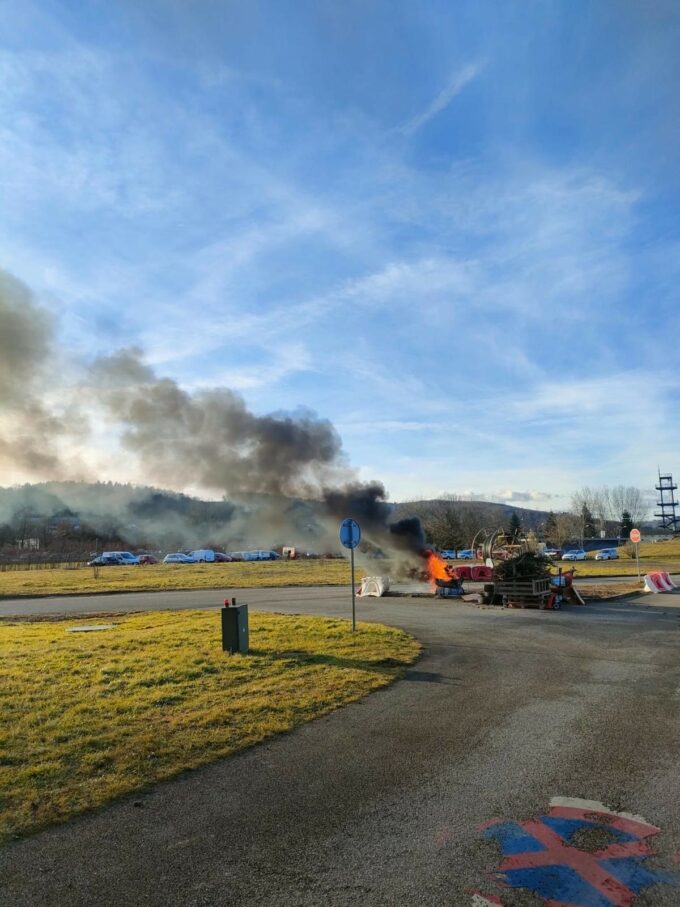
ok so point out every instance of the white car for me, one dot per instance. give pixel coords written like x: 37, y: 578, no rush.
x: 178, y: 558
x: 607, y: 554
x: 576, y: 554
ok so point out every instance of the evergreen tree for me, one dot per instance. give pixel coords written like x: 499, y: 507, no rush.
x: 587, y: 523
x: 515, y: 525
x: 626, y: 524
x: 551, y: 529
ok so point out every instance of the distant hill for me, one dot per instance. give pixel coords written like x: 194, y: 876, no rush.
x: 487, y: 513
x: 80, y: 514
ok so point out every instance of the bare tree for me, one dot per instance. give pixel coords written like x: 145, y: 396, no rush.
x: 608, y: 504
x: 567, y: 526
x: 630, y: 498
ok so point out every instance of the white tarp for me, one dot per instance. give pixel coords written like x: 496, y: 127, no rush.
x: 374, y: 586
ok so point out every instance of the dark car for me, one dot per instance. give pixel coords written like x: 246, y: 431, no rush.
x: 221, y: 558
x: 107, y: 560
x: 147, y: 559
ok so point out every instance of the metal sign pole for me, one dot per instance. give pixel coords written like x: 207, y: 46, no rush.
x: 354, y: 616
x: 350, y: 536
x: 637, y: 558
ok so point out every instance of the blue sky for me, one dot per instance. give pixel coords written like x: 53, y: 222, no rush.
x: 450, y: 227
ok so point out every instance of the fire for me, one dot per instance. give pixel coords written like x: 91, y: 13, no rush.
x: 437, y: 568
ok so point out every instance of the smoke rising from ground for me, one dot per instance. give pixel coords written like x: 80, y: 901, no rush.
x: 30, y: 429
x: 288, y: 473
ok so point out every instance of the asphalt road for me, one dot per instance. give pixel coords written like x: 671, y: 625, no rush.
x: 380, y: 803
x: 321, y: 598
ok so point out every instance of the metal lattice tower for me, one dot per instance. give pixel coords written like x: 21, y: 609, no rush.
x: 667, y: 503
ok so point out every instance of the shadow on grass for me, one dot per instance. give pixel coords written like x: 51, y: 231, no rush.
x: 335, y: 661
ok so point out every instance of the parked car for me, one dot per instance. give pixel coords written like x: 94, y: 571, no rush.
x: 147, y: 559
x: 552, y: 552
x: 576, y: 554
x: 203, y: 555
x: 260, y: 555
x: 607, y: 554
x: 466, y: 555
x: 448, y: 554
x: 236, y: 555
x: 127, y: 557
x: 221, y: 558
x: 106, y: 560
x: 178, y: 558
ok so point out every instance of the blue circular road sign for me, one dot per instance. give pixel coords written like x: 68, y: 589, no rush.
x: 350, y: 533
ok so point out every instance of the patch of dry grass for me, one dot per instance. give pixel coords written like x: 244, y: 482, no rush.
x: 596, y: 591
x: 87, y: 717
x: 249, y: 574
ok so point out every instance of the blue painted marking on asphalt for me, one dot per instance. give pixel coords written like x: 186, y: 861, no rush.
x: 557, y: 883
x: 630, y: 871
x: 513, y: 839
x: 567, y: 828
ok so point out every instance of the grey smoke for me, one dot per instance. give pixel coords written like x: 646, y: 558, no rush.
x: 209, y: 438
x: 287, y: 473
x: 29, y: 428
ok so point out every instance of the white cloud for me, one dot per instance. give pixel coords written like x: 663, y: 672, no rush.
x: 509, y: 496
x: 455, y: 85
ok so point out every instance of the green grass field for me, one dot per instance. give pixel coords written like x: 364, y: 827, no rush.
x: 74, y: 581
x: 87, y: 717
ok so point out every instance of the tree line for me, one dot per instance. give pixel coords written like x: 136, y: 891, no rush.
x: 452, y: 523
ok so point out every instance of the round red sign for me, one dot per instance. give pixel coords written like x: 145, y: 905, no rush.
x: 635, y: 535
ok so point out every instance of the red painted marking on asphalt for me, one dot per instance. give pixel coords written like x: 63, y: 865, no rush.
x: 627, y: 849
x: 559, y: 853
x: 630, y: 826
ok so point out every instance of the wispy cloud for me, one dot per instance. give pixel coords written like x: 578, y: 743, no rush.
x: 483, y: 307
x: 455, y: 85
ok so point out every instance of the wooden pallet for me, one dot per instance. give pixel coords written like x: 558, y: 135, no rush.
x: 524, y: 593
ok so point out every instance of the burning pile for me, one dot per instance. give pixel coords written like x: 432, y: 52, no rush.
x: 440, y: 574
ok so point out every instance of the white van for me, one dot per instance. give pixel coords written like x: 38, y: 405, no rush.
x: 203, y: 555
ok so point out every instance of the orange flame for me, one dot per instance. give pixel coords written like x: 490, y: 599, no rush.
x: 437, y: 568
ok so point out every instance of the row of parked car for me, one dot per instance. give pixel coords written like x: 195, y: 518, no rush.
x: 574, y: 554
x: 199, y: 556
x: 578, y: 554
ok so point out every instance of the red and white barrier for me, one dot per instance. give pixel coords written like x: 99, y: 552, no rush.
x: 665, y: 581
x: 668, y: 579
x: 659, y: 582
